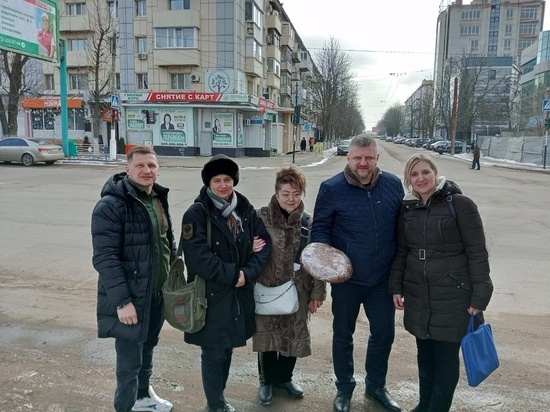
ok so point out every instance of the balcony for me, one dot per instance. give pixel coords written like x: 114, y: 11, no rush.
x: 74, y: 23
x: 254, y: 31
x: 306, y: 66
x: 287, y: 66
x: 285, y: 90
x: 273, y: 21
x: 273, y: 80
x: 253, y: 67
x: 176, y: 57
x: 296, y: 57
x: 77, y: 59
x: 274, y: 52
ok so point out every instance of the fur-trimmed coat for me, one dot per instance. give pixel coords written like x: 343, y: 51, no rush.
x: 287, y: 334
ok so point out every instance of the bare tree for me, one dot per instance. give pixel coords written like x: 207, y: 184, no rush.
x: 15, y: 83
x: 393, y: 120
x: 100, y: 55
x: 335, y: 93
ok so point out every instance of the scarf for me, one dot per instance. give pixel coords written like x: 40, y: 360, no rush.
x: 227, y: 210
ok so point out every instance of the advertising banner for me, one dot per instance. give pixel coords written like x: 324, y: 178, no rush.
x: 240, y: 138
x: 169, y: 126
x: 30, y: 27
x: 223, y: 129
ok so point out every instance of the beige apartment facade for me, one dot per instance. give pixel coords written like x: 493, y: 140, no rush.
x: 191, y: 77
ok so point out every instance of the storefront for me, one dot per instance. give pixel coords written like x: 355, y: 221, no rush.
x: 43, y: 118
x: 193, y: 124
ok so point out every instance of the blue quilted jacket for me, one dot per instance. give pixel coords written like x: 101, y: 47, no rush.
x: 361, y: 221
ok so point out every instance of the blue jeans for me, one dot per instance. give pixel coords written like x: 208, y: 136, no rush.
x: 134, y: 362
x: 347, y: 299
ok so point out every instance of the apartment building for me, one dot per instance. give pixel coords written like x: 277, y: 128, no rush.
x: 486, y: 37
x: 191, y: 77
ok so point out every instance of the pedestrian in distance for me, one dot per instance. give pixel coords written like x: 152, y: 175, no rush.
x: 133, y: 246
x: 439, y: 276
x: 303, y: 144
x: 230, y: 262
x: 311, y: 143
x: 281, y: 339
x: 356, y: 211
x: 477, y: 154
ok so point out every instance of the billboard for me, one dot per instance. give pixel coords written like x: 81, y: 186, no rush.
x: 30, y: 27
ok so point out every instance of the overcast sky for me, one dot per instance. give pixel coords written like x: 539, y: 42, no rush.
x: 381, y: 37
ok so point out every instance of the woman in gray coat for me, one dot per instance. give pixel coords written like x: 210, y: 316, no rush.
x: 440, y: 276
x: 280, y: 339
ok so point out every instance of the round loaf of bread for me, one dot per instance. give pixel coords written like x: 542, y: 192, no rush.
x: 325, y: 262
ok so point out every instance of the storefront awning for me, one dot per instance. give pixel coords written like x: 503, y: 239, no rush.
x: 50, y: 103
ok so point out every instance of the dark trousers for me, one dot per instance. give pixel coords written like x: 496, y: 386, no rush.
x: 438, y: 372
x: 275, y: 368
x: 347, y: 299
x: 215, y: 364
x: 475, y: 163
x: 134, y: 362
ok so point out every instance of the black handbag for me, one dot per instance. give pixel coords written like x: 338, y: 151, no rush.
x: 185, y: 304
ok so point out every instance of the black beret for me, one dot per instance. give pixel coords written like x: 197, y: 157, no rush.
x: 220, y: 165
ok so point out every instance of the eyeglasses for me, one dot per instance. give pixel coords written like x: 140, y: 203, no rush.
x: 287, y: 195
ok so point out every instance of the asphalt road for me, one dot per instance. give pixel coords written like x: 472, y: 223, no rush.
x: 51, y: 360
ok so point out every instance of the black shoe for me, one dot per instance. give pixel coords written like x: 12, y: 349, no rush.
x: 381, y: 395
x: 293, y: 390
x: 342, y: 402
x: 265, y: 394
x: 225, y: 408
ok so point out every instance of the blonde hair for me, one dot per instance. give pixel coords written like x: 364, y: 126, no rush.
x: 292, y: 175
x: 412, y: 162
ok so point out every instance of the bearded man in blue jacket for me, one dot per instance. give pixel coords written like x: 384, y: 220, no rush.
x: 356, y: 211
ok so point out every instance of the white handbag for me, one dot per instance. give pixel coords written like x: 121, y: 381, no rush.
x: 276, y: 300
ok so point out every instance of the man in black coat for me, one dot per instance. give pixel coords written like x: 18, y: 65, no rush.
x: 133, y: 245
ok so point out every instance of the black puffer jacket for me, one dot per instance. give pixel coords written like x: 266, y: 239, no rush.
x: 454, y: 275
x: 122, y: 237
x: 230, y: 317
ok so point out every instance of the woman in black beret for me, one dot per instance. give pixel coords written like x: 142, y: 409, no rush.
x: 230, y: 262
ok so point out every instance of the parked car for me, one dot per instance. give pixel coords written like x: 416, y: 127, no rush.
x: 343, y: 147
x: 435, y: 146
x: 446, y: 147
x: 429, y: 144
x: 420, y: 142
x: 29, y: 151
x: 389, y: 139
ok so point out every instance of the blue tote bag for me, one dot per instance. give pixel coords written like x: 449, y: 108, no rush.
x: 479, y: 352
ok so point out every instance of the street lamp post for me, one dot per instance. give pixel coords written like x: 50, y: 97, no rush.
x: 296, y: 122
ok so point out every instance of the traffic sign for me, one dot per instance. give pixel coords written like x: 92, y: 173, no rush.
x: 114, y: 101
x: 546, y: 105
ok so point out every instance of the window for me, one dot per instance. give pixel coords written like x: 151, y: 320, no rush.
x: 508, y: 30
x: 49, y: 82
x: 492, y: 74
x: 177, y: 37
x: 528, y: 13
x: 529, y: 29
x: 76, y: 119
x: 507, y: 43
x: 77, y: 44
x: 273, y: 66
x: 76, y: 9
x: 141, y: 43
x: 113, y: 8
x: 474, y: 44
x: 253, y: 48
x: 78, y: 81
x: 253, y: 13
x: 469, y: 30
x: 470, y: 15
x: 180, y: 4
x: 141, y: 8
x: 42, y: 119
x: 510, y: 13
x: 117, y: 81
x: 524, y: 43
x: 142, y: 82
x: 492, y: 48
x: 493, y: 33
x: 180, y: 81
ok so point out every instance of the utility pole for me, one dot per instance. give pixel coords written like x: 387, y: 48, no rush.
x: 114, y: 111
x: 296, y: 121
x: 453, y: 116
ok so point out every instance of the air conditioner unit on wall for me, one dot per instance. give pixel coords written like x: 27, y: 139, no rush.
x: 142, y: 56
x: 195, y: 77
